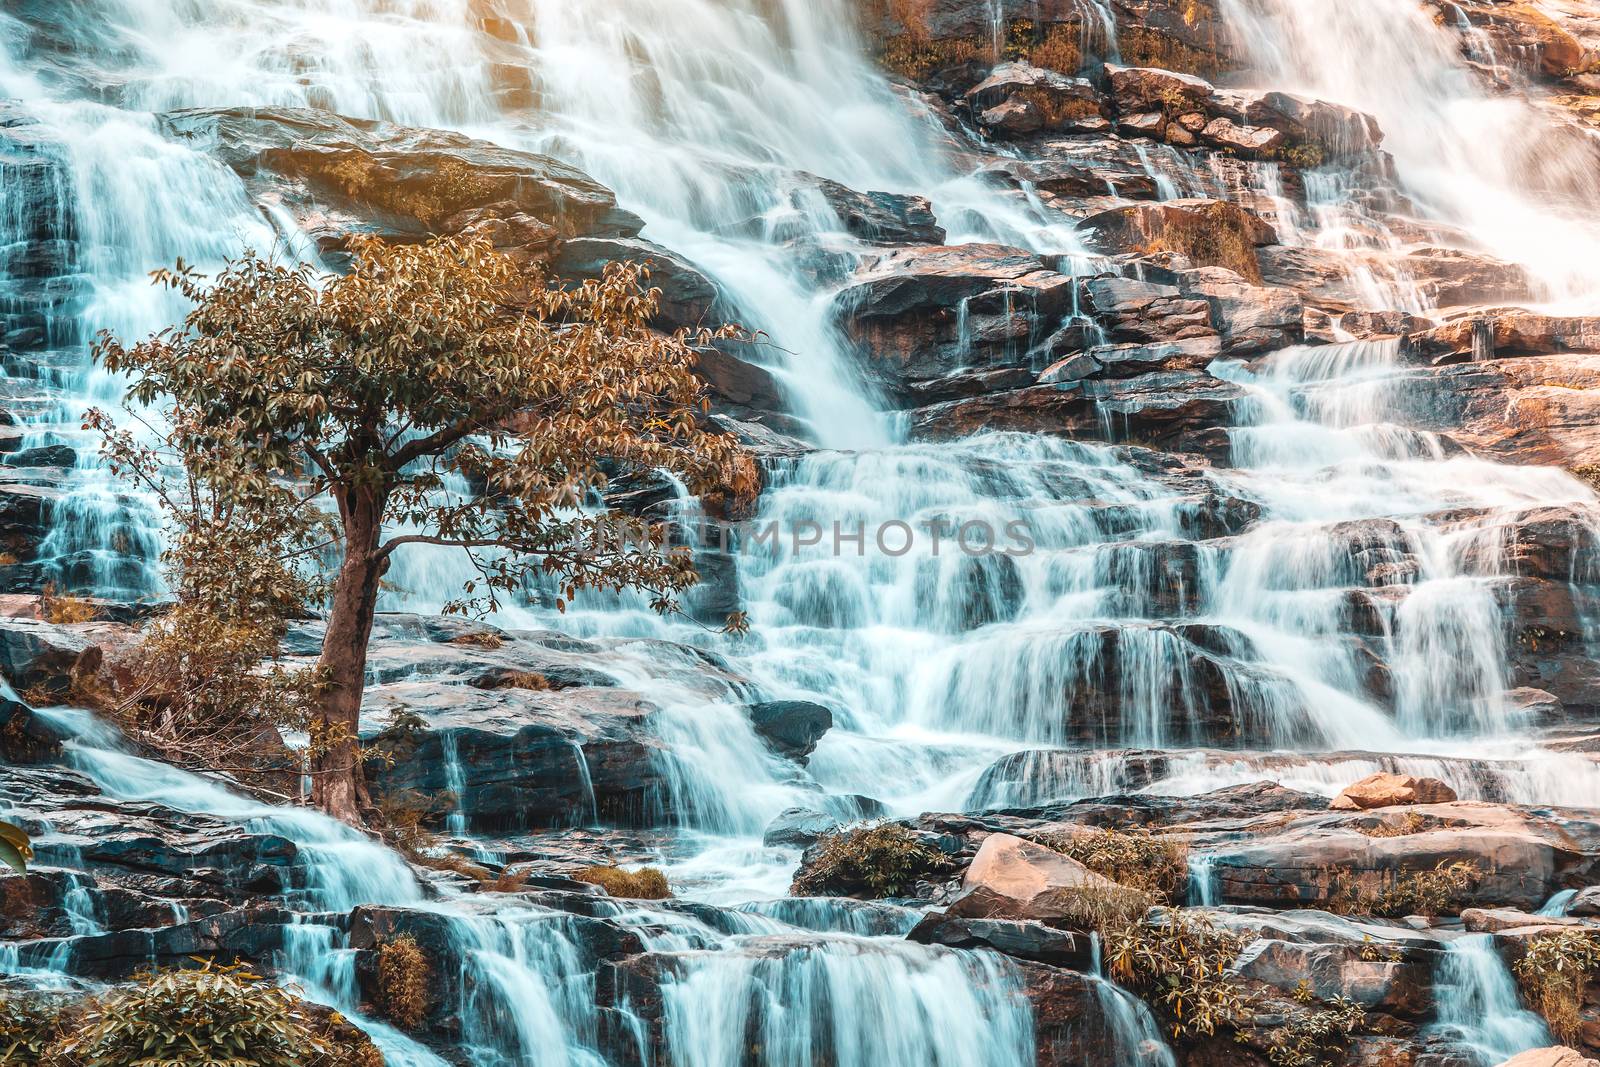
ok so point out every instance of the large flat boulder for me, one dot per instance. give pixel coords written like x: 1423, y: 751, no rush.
x: 1014, y: 879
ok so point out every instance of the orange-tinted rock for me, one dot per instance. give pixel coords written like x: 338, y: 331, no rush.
x: 1387, y: 790
x: 1015, y: 879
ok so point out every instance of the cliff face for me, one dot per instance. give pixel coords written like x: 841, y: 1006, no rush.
x: 1274, y: 327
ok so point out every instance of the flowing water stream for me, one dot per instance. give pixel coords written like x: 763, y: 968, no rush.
x: 1056, y: 661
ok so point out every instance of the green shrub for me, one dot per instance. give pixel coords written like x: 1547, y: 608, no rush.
x: 646, y: 883
x: 1436, y: 892
x: 1555, y: 973
x: 209, y: 1017
x: 1157, y: 864
x: 886, y: 860
x: 1179, y: 964
x: 403, y: 982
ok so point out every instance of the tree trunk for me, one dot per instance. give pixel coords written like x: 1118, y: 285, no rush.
x: 338, y: 785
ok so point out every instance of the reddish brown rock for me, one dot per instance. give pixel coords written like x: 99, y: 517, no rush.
x: 1388, y: 790
x: 1207, y: 233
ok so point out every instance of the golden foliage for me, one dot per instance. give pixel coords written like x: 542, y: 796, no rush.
x: 1436, y: 892
x: 1155, y: 863
x: 885, y: 860
x: 1555, y: 974
x: 403, y: 974
x: 647, y: 883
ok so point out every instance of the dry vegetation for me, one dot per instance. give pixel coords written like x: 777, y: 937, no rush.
x: 647, y: 883
x: 885, y: 860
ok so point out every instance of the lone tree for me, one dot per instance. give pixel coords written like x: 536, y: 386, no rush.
x: 425, y: 362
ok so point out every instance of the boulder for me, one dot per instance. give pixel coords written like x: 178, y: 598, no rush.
x: 1019, y: 939
x: 688, y: 297
x: 791, y: 727
x: 1586, y: 904
x: 798, y: 828
x: 1389, y: 790
x: 921, y: 315
x: 1138, y: 311
x: 1015, y: 879
x: 873, y: 217
x: 1251, y: 319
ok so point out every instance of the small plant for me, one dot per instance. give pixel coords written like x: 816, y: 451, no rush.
x: 403, y: 982
x: 1180, y: 965
x: 647, y: 883
x: 1588, y: 473
x: 1411, y: 823
x: 1373, y: 952
x: 479, y: 639
x: 1436, y: 892
x: 209, y: 1015
x: 886, y: 860
x: 1315, y: 1038
x: 515, y: 680
x: 1555, y: 973
x: 1157, y: 864
x: 64, y: 610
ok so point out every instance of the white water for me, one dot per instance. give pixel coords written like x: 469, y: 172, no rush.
x: 1493, y: 165
x: 936, y: 665
x: 1477, y: 1002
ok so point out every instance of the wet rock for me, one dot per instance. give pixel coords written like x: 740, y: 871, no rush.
x: 1366, y: 324
x: 1014, y: 879
x: 919, y: 314
x: 1525, y: 37
x: 1018, y: 99
x: 1207, y: 233
x: 44, y: 456
x: 875, y: 217
x: 688, y: 298
x: 400, y: 181
x: 1388, y: 790
x: 798, y: 828
x: 520, y: 758
x: 1586, y: 904
x: 1502, y: 334
x: 1251, y: 319
x: 1020, y: 939
x: 1450, y: 277
x: 791, y: 727
x: 1139, y: 311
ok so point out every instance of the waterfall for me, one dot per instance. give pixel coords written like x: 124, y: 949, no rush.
x: 1477, y: 1002
x: 1123, y: 612
x: 1489, y: 164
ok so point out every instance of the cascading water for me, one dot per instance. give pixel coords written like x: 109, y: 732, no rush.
x: 1119, y: 619
x: 1478, y: 1002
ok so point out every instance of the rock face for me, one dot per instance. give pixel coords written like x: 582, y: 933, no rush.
x: 402, y: 182
x: 1390, y: 790
x: 1556, y: 1056
x: 1206, y: 233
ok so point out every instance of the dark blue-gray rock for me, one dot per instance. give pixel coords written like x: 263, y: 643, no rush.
x: 791, y: 727
x: 798, y: 827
